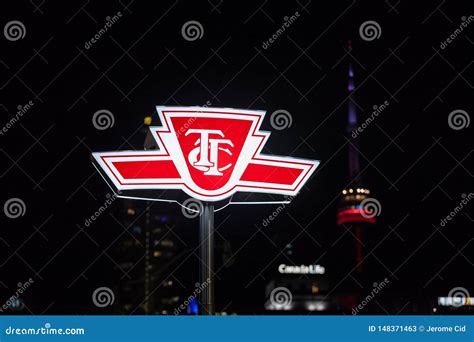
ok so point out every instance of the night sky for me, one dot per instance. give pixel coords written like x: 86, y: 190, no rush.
x: 416, y: 160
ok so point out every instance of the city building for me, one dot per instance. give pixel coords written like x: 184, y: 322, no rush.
x: 147, y: 255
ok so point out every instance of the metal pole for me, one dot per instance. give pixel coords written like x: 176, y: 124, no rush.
x: 206, y: 225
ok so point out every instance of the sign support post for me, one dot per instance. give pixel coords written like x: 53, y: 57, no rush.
x: 206, y: 252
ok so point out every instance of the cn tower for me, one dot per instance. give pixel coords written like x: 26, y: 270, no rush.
x: 351, y: 212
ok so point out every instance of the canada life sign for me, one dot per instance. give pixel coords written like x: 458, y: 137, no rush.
x: 210, y: 154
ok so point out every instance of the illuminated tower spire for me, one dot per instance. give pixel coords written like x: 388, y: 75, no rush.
x: 354, y: 166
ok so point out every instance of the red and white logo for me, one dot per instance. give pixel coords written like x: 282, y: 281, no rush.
x: 209, y: 153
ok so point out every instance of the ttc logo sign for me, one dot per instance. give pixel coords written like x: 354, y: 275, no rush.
x: 208, y: 148
x: 209, y: 153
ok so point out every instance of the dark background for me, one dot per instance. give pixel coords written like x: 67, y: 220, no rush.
x: 414, y: 163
